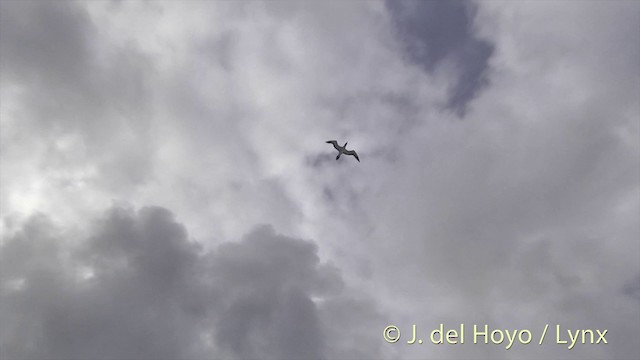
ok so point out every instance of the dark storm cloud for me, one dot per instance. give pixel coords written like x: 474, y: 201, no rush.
x: 139, y: 289
x: 435, y: 32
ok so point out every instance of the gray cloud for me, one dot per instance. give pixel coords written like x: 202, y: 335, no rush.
x: 138, y: 288
x: 437, y: 32
x: 523, y: 214
x: 87, y: 119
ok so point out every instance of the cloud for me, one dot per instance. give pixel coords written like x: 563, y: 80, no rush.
x: 138, y: 288
x: 540, y: 184
x: 75, y: 109
x: 524, y: 213
x: 438, y: 33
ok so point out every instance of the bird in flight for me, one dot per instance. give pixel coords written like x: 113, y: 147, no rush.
x: 343, y: 150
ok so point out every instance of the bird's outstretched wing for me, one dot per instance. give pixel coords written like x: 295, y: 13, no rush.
x: 352, y: 152
x: 335, y: 144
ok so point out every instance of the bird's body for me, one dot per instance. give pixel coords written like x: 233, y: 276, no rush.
x: 343, y: 150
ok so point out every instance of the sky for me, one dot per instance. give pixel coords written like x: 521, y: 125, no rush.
x: 166, y: 191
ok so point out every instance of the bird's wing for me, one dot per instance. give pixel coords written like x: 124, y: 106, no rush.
x: 352, y: 152
x: 335, y: 143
